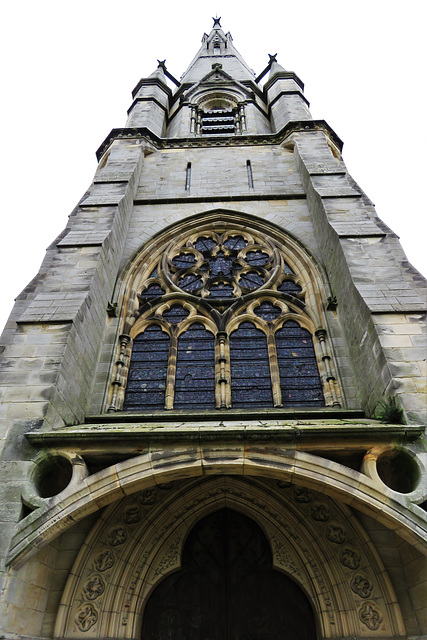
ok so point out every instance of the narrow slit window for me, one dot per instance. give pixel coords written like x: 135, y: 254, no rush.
x: 250, y: 175
x: 188, y: 177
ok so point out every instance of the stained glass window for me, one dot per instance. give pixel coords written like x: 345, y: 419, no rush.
x: 212, y: 277
x: 148, y: 370
x: 195, y: 369
x: 288, y: 286
x: 250, y: 369
x: 268, y: 311
x: 299, y: 376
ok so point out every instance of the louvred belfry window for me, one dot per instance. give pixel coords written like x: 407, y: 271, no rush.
x: 219, y: 320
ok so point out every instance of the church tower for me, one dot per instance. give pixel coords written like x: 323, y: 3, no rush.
x: 212, y: 391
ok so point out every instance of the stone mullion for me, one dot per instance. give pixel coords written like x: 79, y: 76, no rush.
x: 223, y: 392
x: 193, y: 119
x: 198, y: 122
x: 120, y: 378
x: 242, y: 118
x: 327, y: 362
x: 171, y: 373
x: 274, y: 368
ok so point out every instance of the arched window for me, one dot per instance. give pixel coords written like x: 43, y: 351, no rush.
x: 195, y: 369
x: 299, y: 375
x: 218, y: 113
x: 146, y: 382
x: 219, y: 320
x: 250, y: 368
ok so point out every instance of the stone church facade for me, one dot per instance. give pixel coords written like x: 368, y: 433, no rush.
x: 213, y: 392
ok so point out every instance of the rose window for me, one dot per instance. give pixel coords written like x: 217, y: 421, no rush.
x: 219, y: 321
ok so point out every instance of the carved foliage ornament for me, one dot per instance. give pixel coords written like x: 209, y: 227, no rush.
x: 86, y: 617
x: 94, y: 587
x: 370, y: 616
x: 104, y: 560
x: 361, y: 586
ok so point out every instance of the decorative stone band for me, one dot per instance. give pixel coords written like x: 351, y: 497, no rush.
x: 163, y: 461
x: 207, y: 141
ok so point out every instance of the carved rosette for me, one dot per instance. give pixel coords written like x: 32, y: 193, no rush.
x: 94, y: 587
x: 104, y: 560
x: 371, y: 616
x: 350, y: 558
x: 361, y: 586
x: 86, y: 617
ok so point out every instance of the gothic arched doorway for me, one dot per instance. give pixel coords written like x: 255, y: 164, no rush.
x: 227, y: 589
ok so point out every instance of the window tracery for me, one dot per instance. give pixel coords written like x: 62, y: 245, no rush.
x: 220, y: 320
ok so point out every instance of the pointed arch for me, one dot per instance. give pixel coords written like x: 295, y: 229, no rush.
x: 217, y: 267
x: 315, y: 541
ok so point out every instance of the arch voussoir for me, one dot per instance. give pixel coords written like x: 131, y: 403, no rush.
x: 167, y: 462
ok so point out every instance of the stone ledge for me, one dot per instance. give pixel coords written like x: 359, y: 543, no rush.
x: 367, y: 432
x: 207, y: 141
x: 296, y: 413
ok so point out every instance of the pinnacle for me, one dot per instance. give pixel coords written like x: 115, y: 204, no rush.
x: 275, y: 67
x: 160, y: 71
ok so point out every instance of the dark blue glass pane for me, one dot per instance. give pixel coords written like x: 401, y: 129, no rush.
x: 251, y: 280
x: 299, y: 376
x: 175, y: 314
x: 204, y: 244
x: 195, y: 370
x: 146, y: 384
x: 220, y: 265
x: 289, y: 287
x: 250, y: 369
x: 184, y: 260
x: 236, y: 243
x: 287, y: 268
x: 257, y: 258
x: 191, y: 282
x: 268, y: 311
x: 221, y: 290
x: 153, y: 291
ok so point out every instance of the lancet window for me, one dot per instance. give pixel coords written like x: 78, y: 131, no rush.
x: 220, y: 320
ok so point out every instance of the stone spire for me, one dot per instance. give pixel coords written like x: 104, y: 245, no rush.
x: 217, y: 47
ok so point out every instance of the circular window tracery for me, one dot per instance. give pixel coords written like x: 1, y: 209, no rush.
x: 222, y: 266
x: 216, y: 296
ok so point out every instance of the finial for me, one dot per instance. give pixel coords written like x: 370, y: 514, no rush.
x: 216, y: 22
x: 162, y: 64
x: 273, y: 58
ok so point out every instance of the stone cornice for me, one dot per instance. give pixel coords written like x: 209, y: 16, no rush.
x: 287, y: 93
x: 285, y: 75
x: 215, y: 141
x: 349, y: 434
x: 147, y: 99
x: 150, y: 82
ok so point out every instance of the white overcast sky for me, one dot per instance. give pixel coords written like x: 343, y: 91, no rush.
x: 69, y: 69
